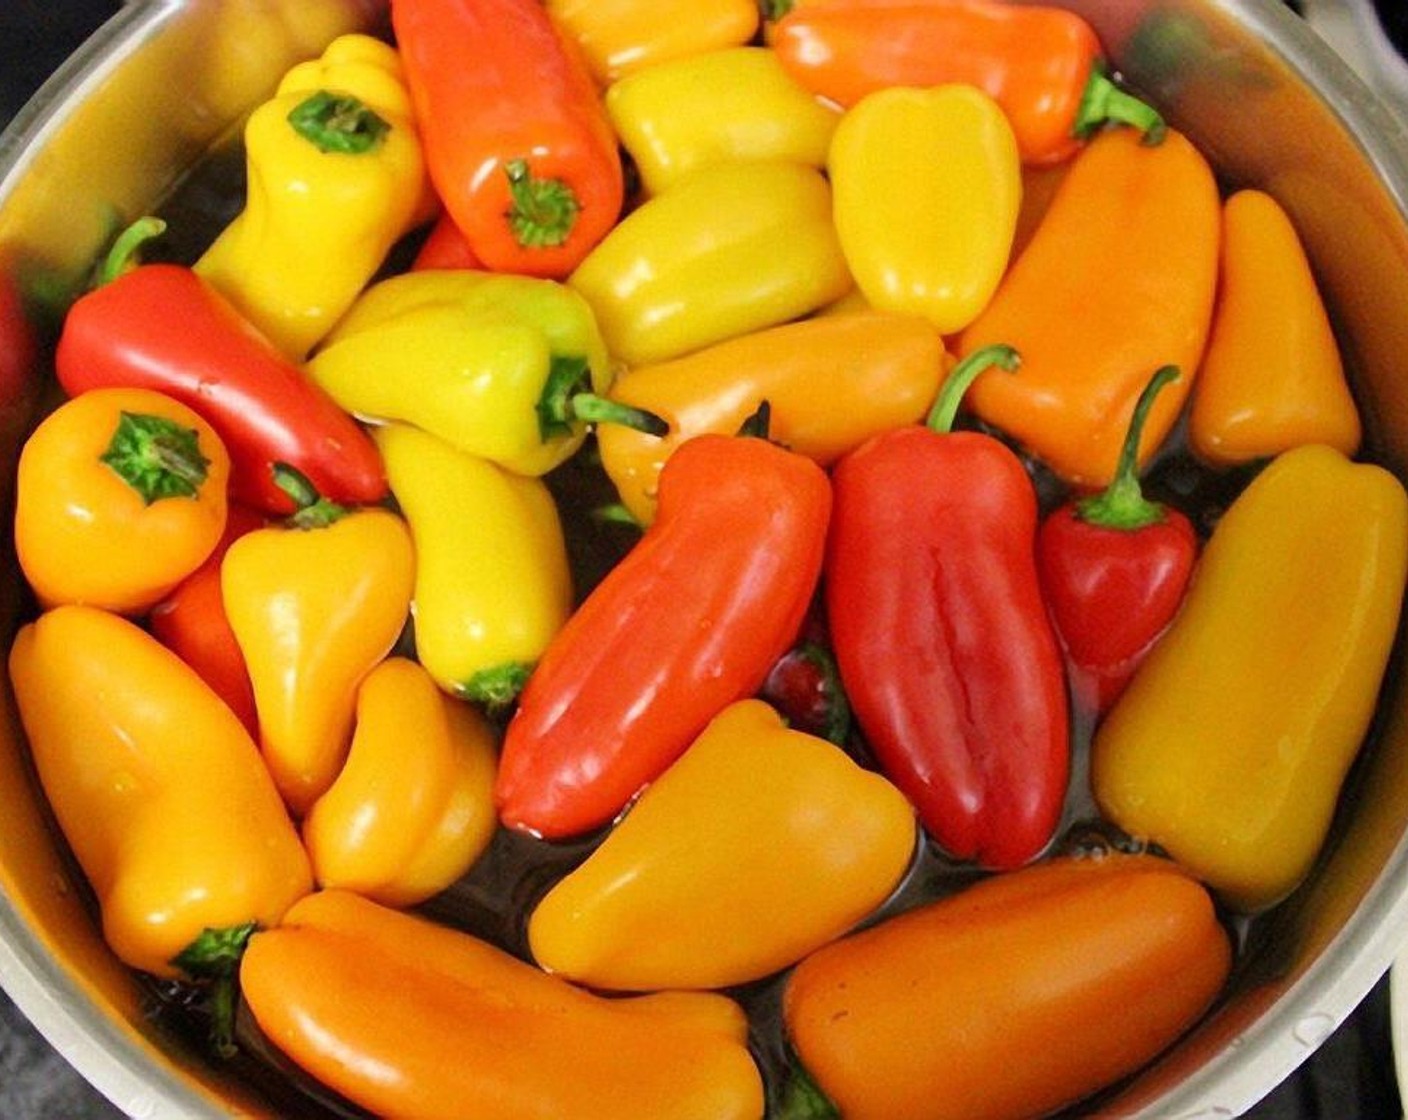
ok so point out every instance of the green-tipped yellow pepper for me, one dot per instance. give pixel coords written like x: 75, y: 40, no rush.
x: 493, y: 583
x: 501, y: 366
x: 1229, y: 746
x: 336, y: 177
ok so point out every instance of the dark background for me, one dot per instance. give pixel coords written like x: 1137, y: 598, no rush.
x: 1349, y: 1078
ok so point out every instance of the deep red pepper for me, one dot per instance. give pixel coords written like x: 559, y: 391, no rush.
x: 445, y: 246
x: 160, y: 326
x: 516, y: 139
x: 690, y: 620
x: 944, y: 644
x: 1114, y: 567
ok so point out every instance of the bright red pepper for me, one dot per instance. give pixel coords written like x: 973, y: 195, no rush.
x: 518, y: 144
x: 1041, y: 64
x: 689, y: 621
x: 943, y: 641
x: 160, y: 326
x: 445, y: 246
x: 1113, y: 568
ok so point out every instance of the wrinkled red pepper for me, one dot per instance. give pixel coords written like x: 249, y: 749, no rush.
x: 516, y: 139
x: 1113, y: 568
x: 689, y: 621
x: 160, y: 326
x: 944, y: 645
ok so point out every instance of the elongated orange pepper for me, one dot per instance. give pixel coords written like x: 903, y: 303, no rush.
x: 1118, y: 280
x: 406, y: 1018
x: 1272, y: 377
x: 831, y: 382
x: 1012, y: 999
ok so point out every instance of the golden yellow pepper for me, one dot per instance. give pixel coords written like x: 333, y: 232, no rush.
x: 757, y: 846
x: 619, y: 37
x: 1229, y: 746
x: 336, y: 177
x: 413, y: 806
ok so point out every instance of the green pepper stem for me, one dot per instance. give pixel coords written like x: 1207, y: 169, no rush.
x: 311, y: 509
x: 1103, y: 102
x: 157, y: 457
x: 498, y: 686
x: 543, y: 211
x: 837, y: 727
x: 759, y: 424
x: 1122, y: 504
x: 592, y: 409
x: 567, y: 396
x: 338, y: 123
x: 214, y: 957
x: 945, y: 410
x: 802, y: 1099
x: 122, y: 257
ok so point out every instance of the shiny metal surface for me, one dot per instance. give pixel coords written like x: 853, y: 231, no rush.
x: 1272, y: 105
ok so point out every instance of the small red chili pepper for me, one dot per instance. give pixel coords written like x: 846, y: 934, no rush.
x: 1114, y: 567
x: 689, y: 621
x: 516, y: 139
x: 160, y: 326
x: 943, y: 641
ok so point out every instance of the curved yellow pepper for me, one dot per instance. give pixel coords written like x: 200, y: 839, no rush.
x: 313, y: 611
x: 488, y: 362
x: 413, y: 806
x: 493, y: 583
x: 336, y: 177
x: 619, y: 37
x: 759, y: 845
x: 731, y: 248
x: 928, y: 186
x: 709, y: 108
x: 1229, y: 746
x: 157, y: 788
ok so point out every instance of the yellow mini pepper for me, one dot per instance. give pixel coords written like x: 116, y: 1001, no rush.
x: 709, y: 108
x: 493, y: 583
x: 619, y: 37
x: 928, y: 185
x: 413, y: 807
x: 757, y: 846
x: 336, y: 177
x: 1229, y: 745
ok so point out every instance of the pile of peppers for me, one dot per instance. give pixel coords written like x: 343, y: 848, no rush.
x: 634, y: 581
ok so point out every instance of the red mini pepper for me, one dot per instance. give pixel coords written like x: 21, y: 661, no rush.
x: 445, y: 246
x: 1041, y: 64
x: 688, y: 622
x: 160, y: 326
x: 1114, y: 567
x: 516, y: 139
x: 942, y: 638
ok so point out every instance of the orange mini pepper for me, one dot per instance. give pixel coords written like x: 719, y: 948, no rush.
x: 1272, y: 376
x: 406, y: 1018
x: 1119, y: 279
x: 1009, y: 1000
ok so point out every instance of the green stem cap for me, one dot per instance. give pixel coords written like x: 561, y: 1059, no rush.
x: 802, y: 1099
x: 566, y: 397
x: 214, y: 956
x: 157, y: 457
x: 1103, y: 102
x: 543, y: 211
x: 1122, y: 504
x: 338, y: 123
x: 312, y: 510
x: 945, y: 410
x: 759, y: 424
x: 498, y: 686
x: 122, y: 257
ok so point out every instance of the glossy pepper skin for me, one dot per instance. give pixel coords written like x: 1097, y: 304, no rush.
x: 119, y: 496
x: 156, y: 785
x: 713, y: 107
x: 941, y: 634
x: 444, y: 1025
x: 927, y: 186
x: 689, y: 621
x: 493, y: 585
x: 489, y: 363
x: 413, y: 806
x: 831, y: 382
x: 336, y: 176
x: 1094, y: 963
x: 1119, y: 279
x: 518, y: 145
x: 732, y: 248
x: 1114, y: 567
x: 620, y: 37
x: 1229, y: 746
x: 753, y: 819
x: 1272, y: 376
x: 1041, y: 63
x: 314, y: 610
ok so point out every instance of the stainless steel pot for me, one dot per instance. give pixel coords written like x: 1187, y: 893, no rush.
x: 118, y: 127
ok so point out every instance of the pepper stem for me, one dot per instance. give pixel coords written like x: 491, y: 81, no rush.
x: 1122, y: 504
x: 802, y: 1099
x: 759, y: 424
x: 1103, y: 102
x: 498, y: 686
x: 122, y: 257
x: 214, y: 956
x: 945, y: 410
x: 311, y: 509
x: 338, y: 123
x: 157, y: 457
x: 566, y: 397
x: 543, y: 211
